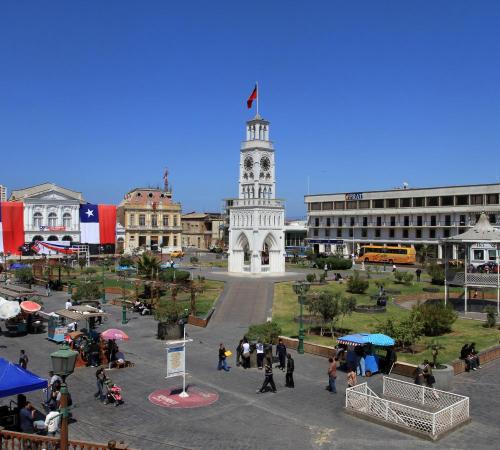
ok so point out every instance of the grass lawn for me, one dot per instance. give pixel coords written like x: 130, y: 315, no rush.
x: 286, y: 307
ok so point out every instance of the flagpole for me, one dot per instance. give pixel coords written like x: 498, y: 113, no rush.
x: 257, y: 86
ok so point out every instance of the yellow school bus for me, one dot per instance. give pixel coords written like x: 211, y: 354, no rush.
x: 391, y: 255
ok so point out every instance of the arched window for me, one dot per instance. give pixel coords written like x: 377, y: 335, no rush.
x: 52, y: 220
x: 37, y: 220
x: 66, y: 238
x: 37, y: 238
x: 52, y: 238
x: 67, y: 221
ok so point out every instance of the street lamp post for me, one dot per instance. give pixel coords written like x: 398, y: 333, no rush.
x: 63, y: 364
x: 300, y: 288
x: 103, y: 284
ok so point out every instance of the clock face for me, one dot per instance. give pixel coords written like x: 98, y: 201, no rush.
x: 265, y: 163
x: 248, y: 163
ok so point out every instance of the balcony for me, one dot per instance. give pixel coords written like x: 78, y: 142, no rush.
x: 269, y: 203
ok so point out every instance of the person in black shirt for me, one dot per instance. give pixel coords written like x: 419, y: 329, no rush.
x: 222, y: 358
x: 281, y: 354
x: 290, y: 367
x: 268, y: 378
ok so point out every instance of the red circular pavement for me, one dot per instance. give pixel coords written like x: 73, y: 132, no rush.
x: 169, y: 398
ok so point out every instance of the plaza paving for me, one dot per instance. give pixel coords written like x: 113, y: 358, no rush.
x: 307, y: 417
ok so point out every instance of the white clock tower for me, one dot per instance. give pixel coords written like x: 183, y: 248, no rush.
x: 256, y: 217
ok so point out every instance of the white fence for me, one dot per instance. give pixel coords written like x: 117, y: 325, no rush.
x: 452, y: 409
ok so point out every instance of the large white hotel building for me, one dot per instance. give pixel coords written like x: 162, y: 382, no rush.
x: 343, y: 222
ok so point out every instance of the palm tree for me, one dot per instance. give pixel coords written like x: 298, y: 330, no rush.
x: 148, y: 265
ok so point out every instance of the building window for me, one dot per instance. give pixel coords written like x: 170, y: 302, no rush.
x: 327, y: 232
x: 142, y: 221
x: 316, y: 206
x: 493, y: 219
x: 447, y: 221
x: 447, y: 200
x: 406, y: 221
x: 446, y: 233
x: 352, y: 204
x: 433, y: 221
x: 391, y: 233
x: 175, y: 241
x: 393, y: 221
x: 418, y: 202
x: 418, y: 234
x: 315, y: 232
x: 364, y: 204
x: 419, y: 221
x: 365, y: 221
x: 492, y: 199
x: 165, y: 241
x: 339, y: 232
x: 405, y: 202
x: 340, y: 221
x: 175, y: 224
x: 462, y: 200
x: 328, y: 222
x: 391, y: 203
x: 364, y: 232
x: 52, y: 219
x: 476, y: 199
x: 327, y: 206
x: 351, y: 232
x: 432, y: 233
x: 379, y: 203
x: 67, y: 220
x: 405, y: 234
x: 462, y: 220
x: 432, y: 201
x: 352, y: 221
x: 316, y: 221
x: 339, y: 205
x: 377, y: 233
x: 165, y: 220
x: 131, y: 220
x: 142, y: 241
x: 154, y: 220
x: 379, y: 221
x: 37, y: 220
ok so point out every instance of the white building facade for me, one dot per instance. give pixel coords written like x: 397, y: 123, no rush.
x: 51, y: 212
x: 341, y: 223
x: 3, y: 193
x: 256, y: 217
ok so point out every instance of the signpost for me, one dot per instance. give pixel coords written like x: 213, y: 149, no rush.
x: 176, y: 361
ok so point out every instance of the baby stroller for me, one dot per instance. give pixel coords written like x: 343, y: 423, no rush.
x: 114, y: 394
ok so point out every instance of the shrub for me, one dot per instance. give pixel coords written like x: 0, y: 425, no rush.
x: 24, y: 275
x: 311, y: 277
x: 322, y: 278
x: 436, y: 318
x: 267, y: 333
x: 403, y: 277
x: 193, y: 260
x: 89, y: 270
x: 436, y: 272
x: 167, y: 275
x: 405, y: 332
x: 87, y: 291
x: 148, y: 265
x: 381, y: 283
x: 334, y: 263
x: 169, y: 312
x: 491, y: 316
x: 357, y: 285
x: 126, y: 261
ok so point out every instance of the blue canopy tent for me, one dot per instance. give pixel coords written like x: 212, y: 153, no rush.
x: 362, y: 339
x: 16, y: 380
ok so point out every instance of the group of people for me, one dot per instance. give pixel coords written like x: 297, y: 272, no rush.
x: 469, y: 355
x: 352, y: 378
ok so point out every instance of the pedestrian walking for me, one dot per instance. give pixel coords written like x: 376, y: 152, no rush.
x: 394, y: 268
x: 260, y: 354
x: 352, y: 379
x: 281, y: 354
x: 54, y: 381
x: 418, y: 272
x: 47, y: 289
x: 246, y: 353
x: 268, y: 378
x: 100, y: 380
x: 332, y: 375
x: 222, y: 358
x: 290, y: 367
x: 23, y: 359
x: 68, y: 304
x: 239, y: 353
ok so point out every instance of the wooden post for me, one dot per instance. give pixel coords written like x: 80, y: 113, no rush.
x: 64, y: 417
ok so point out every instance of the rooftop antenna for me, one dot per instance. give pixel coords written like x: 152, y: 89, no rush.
x: 165, y: 180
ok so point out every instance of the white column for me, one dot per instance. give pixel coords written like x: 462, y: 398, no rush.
x: 248, y: 132
x: 440, y: 251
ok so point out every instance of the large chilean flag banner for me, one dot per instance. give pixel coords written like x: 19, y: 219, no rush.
x: 97, y: 224
x: 11, y: 227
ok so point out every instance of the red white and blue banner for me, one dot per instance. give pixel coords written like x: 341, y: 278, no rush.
x: 97, y: 224
x: 53, y: 247
x: 11, y: 227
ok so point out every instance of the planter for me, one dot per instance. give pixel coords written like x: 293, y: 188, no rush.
x: 443, y: 377
x: 167, y: 331
x: 370, y: 309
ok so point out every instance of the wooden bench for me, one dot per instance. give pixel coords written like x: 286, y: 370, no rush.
x: 404, y: 369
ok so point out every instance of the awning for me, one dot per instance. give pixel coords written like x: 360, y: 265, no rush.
x: 16, y: 380
x: 76, y: 316
x: 378, y: 339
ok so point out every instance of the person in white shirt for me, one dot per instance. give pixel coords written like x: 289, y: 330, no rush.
x: 68, y: 304
x: 246, y: 354
x: 51, y: 422
x: 260, y: 354
x: 72, y: 327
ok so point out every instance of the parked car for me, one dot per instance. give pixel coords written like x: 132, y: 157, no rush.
x: 177, y: 254
x: 489, y: 267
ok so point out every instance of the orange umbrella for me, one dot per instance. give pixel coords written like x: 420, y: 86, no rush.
x: 30, y: 307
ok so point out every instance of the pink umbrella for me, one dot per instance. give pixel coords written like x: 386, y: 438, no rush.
x: 114, y: 334
x: 30, y: 307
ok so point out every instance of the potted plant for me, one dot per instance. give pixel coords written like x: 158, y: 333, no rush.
x: 168, y: 315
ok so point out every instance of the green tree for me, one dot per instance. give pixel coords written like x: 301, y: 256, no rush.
x: 169, y: 312
x: 436, y: 272
x: 24, y: 275
x: 82, y: 262
x: 267, y: 332
x: 87, y: 291
x: 347, y: 305
x: 326, y: 305
x: 436, y: 318
x: 126, y: 260
x: 148, y: 265
x: 491, y: 316
x: 356, y: 284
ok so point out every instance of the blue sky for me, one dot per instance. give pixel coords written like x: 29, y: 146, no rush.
x: 100, y: 96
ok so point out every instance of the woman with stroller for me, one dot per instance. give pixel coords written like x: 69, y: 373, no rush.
x: 101, y: 379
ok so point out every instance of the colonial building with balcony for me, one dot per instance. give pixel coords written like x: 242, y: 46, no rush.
x: 202, y: 230
x: 152, y: 220
x: 51, y: 212
x: 343, y: 222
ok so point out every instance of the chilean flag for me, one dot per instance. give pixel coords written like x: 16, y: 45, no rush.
x: 11, y: 227
x: 97, y: 224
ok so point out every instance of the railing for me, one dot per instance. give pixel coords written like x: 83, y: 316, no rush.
x: 475, y: 279
x: 239, y: 202
x: 12, y: 440
x: 452, y: 409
